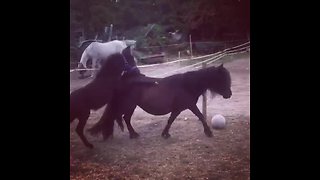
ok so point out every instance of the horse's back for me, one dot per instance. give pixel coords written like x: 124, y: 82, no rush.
x: 103, y: 50
x: 116, y: 45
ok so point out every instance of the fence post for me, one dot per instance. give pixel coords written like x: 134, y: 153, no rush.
x: 204, y: 98
x: 190, y: 45
x: 110, y: 32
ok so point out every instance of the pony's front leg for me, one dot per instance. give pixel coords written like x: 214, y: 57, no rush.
x: 197, y: 112
x: 165, y: 133
x: 82, y: 122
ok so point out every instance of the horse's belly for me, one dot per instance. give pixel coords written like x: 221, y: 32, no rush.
x: 155, y: 109
x: 157, y: 101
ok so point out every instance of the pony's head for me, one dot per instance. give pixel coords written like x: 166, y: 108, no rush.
x: 221, y: 82
x: 128, y: 56
x: 131, y: 65
x: 112, y: 66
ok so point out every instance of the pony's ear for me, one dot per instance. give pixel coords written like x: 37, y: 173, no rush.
x: 221, y: 66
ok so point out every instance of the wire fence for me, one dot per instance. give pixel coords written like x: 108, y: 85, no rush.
x: 198, y: 59
x: 198, y: 62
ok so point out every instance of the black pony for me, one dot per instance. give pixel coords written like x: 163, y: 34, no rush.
x: 172, y: 94
x: 97, y: 93
x: 131, y: 76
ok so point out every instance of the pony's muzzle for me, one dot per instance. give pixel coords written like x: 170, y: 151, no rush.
x: 227, y: 95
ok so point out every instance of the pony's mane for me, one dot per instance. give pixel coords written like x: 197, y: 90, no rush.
x: 112, y: 66
x: 130, y: 65
x: 202, y: 79
x: 198, y: 74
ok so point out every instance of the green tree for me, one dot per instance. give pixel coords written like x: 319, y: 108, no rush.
x: 204, y: 19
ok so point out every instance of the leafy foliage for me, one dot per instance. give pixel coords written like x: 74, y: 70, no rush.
x: 204, y: 19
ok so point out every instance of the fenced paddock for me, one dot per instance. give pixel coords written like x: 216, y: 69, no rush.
x: 188, y: 153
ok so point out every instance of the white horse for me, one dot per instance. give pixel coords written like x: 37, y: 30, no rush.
x: 97, y: 51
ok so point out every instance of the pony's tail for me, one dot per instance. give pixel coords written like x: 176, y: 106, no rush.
x: 108, y: 126
x: 107, y: 129
x: 105, y: 126
x: 106, y: 123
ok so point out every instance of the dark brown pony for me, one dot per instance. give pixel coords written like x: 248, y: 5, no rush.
x: 97, y: 93
x: 172, y: 94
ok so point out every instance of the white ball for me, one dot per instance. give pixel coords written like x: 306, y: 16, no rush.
x: 218, y: 122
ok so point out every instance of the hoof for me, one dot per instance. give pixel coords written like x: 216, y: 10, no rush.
x: 90, y: 146
x: 208, y: 133
x: 134, y: 135
x: 106, y: 137
x: 166, y: 135
x: 93, y: 134
x: 93, y: 131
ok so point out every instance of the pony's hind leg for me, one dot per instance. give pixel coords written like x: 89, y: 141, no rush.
x: 206, y: 128
x: 82, y: 122
x: 95, y: 67
x: 165, y: 133
x: 127, y: 119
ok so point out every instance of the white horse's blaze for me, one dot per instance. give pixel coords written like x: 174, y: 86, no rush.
x: 100, y: 51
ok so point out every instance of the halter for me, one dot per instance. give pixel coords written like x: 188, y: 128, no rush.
x: 127, y: 67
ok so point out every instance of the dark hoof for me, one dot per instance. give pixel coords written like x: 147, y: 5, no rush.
x: 106, y: 137
x: 90, y: 146
x: 166, y: 135
x: 134, y: 135
x: 208, y: 133
x: 93, y: 134
x: 93, y: 131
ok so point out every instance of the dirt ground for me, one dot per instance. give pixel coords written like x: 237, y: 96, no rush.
x: 188, y: 153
